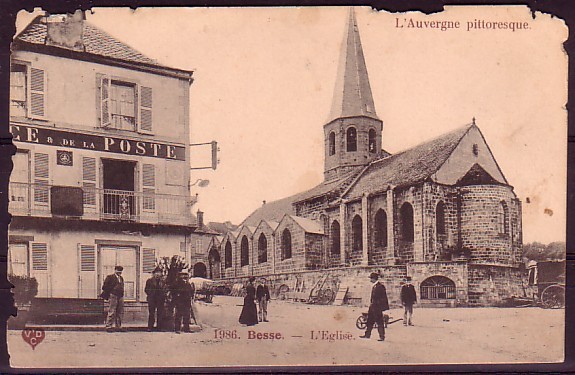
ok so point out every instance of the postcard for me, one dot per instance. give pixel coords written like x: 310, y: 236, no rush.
x: 321, y: 186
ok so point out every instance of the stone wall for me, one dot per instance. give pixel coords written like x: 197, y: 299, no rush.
x: 455, y: 271
x: 479, y: 224
x: 314, y: 250
x: 489, y: 285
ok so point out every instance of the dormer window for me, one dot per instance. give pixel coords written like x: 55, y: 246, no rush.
x: 351, y: 139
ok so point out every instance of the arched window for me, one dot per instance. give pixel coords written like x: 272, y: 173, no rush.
x: 262, y: 249
x: 331, y: 143
x: 244, y: 252
x: 503, y: 218
x: 356, y: 233
x: 228, y: 255
x: 334, y: 238
x: 372, y: 141
x: 437, y: 287
x: 407, y: 222
x: 380, y: 230
x: 351, y: 139
x: 440, y: 219
x: 286, y: 244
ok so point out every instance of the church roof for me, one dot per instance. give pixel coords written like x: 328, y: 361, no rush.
x: 352, y: 95
x: 275, y: 210
x: 408, y: 167
x: 309, y: 226
x: 96, y: 42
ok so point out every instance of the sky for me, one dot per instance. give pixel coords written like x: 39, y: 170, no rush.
x: 264, y: 80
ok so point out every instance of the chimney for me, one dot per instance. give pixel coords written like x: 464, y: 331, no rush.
x: 66, y: 31
x: 263, y: 202
x: 200, y: 215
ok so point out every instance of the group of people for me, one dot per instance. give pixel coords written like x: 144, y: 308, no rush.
x: 181, y: 297
x: 251, y: 314
x: 379, y: 303
x: 161, y: 300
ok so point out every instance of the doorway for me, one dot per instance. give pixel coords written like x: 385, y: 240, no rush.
x: 125, y: 256
x: 119, y: 178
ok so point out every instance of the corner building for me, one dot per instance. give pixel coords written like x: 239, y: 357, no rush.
x: 441, y: 212
x: 101, y: 174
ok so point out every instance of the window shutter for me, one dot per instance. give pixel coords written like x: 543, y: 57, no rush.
x: 148, y: 260
x: 41, y: 178
x: 149, y: 184
x: 105, y: 117
x: 87, y: 284
x: 89, y: 180
x: 145, y: 109
x: 87, y: 258
x: 39, y: 256
x: 37, y: 100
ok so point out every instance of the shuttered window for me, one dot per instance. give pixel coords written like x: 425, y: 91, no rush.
x: 105, y: 118
x: 146, y: 109
x: 89, y: 180
x: 37, y: 107
x: 39, y: 256
x: 148, y: 260
x: 41, y: 178
x: 149, y: 184
x: 87, y: 258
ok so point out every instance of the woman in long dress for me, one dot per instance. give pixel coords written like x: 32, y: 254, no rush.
x: 249, y: 315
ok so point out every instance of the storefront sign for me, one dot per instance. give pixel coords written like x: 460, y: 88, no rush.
x: 60, y: 138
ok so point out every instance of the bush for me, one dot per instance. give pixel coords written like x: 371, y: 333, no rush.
x: 25, y: 288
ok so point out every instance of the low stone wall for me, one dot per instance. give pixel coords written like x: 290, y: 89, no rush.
x: 456, y: 271
x: 355, y: 278
x: 490, y: 285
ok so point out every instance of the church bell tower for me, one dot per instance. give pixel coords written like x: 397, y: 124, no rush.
x: 353, y: 131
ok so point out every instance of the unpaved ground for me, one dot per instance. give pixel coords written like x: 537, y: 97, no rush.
x: 460, y: 335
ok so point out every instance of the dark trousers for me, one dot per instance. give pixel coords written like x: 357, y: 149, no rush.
x: 155, y: 309
x: 375, y: 316
x: 182, y: 313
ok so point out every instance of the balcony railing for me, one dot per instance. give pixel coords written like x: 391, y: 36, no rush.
x: 105, y: 204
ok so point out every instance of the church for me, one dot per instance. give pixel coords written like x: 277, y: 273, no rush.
x: 441, y: 212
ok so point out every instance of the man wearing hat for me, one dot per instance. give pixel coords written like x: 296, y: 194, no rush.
x: 155, y: 296
x: 408, y: 298
x: 377, y: 306
x: 182, y: 298
x: 113, y: 290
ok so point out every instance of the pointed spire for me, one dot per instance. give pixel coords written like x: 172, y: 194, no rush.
x: 352, y: 96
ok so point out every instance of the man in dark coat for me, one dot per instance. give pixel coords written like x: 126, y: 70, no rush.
x: 113, y: 290
x: 377, y: 306
x: 408, y: 298
x: 155, y: 296
x: 263, y: 297
x: 182, y: 299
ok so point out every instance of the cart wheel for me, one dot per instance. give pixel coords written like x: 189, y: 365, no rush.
x: 361, y: 322
x: 553, y: 297
x: 282, y: 292
x: 327, y: 296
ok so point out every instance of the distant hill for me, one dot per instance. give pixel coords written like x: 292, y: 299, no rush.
x: 538, y: 251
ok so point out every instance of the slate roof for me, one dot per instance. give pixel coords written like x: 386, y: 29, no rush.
x: 275, y: 210
x: 308, y: 225
x: 409, y: 167
x: 96, y: 42
x: 222, y: 227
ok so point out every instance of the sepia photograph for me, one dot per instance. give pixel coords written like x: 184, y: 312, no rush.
x: 287, y: 186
